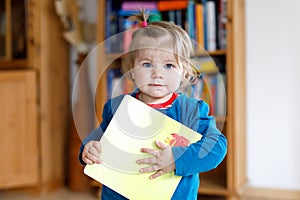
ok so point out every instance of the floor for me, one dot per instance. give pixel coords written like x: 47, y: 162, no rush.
x: 66, y: 194
x: 61, y: 194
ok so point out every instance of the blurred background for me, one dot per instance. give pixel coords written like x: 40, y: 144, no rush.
x: 44, y: 44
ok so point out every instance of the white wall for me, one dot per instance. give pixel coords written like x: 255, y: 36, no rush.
x: 273, y: 93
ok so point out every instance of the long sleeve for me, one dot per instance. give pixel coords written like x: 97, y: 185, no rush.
x: 207, y: 153
x: 109, y: 109
x: 97, y: 133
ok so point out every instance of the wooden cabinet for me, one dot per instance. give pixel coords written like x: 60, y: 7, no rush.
x: 229, y: 179
x: 34, y: 95
x: 18, y: 129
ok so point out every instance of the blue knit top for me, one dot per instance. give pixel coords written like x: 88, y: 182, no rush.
x: 202, y: 156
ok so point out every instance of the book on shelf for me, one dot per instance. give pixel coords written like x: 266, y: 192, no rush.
x: 199, y: 24
x: 222, y: 20
x: 137, y: 5
x: 112, y: 42
x: 211, y: 26
x: 204, y: 9
x: 171, y: 5
x: 205, y: 64
x: 191, y: 20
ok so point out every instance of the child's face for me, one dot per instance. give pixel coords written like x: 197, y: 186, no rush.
x: 157, y: 74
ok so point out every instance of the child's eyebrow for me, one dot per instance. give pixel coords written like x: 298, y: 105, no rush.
x: 170, y: 60
x: 144, y: 58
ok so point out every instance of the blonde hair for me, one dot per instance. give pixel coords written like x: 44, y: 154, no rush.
x: 180, y: 43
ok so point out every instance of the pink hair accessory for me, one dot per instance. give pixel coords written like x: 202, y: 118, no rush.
x: 144, y: 24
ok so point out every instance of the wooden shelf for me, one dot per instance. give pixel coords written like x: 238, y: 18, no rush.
x: 221, y: 52
x: 213, y: 186
x: 17, y: 63
x: 229, y: 177
x: 214, y: 181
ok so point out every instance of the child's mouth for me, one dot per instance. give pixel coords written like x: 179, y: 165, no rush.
x: 157, y: 85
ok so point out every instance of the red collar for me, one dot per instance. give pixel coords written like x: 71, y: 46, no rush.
x: 166, y: 104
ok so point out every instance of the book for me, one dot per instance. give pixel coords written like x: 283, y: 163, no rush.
x: 211, y: 26
x: 205, y: 64
x: 191, y: 19
x: 221, y: 99
x: 222, y: 20
x: 133, y: 126
x: 112, y: 42
x: 134, y: 5
x: 171, y: 5
x: 199, y: 24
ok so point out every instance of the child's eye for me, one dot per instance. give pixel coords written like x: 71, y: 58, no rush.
x: 169, y: 66
x: 147, y: 65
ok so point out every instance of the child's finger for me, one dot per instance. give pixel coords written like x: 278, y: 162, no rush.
x: 150, y: 151
x: 152, y: 168
x: 93, y: 151
x: 157, y: 174
x: 88, y: 161
x: 147, y: 161
x: 97, y: 146
x: 89, y: 158
x: 94, y: 159
x: 161, y: 145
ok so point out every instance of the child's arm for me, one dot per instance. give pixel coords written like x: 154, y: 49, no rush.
x: 207, y: 153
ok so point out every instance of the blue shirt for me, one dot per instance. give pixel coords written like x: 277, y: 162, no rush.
x: 202, y: 156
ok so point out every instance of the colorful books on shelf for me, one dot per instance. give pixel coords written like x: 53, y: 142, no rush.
x: 211, y: 89
x: 204, y: 20
x: 210, y: 24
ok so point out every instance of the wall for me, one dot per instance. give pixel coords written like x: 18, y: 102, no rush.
x: 273, y: 93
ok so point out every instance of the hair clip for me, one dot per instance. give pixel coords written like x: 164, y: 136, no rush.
x: 144, y: 24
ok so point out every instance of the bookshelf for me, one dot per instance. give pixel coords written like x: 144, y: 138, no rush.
x: 34, y: 103
x: 228, y: 180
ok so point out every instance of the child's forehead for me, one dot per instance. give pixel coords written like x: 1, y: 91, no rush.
x: 162, y: 42
x: 155, y: 51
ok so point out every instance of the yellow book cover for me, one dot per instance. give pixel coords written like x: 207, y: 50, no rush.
x: 136, y: 125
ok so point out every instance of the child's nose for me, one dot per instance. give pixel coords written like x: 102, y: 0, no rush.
x: 157, y: 71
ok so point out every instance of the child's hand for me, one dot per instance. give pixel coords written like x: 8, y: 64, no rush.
x: 162, y: 162
x: 91, y: 151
